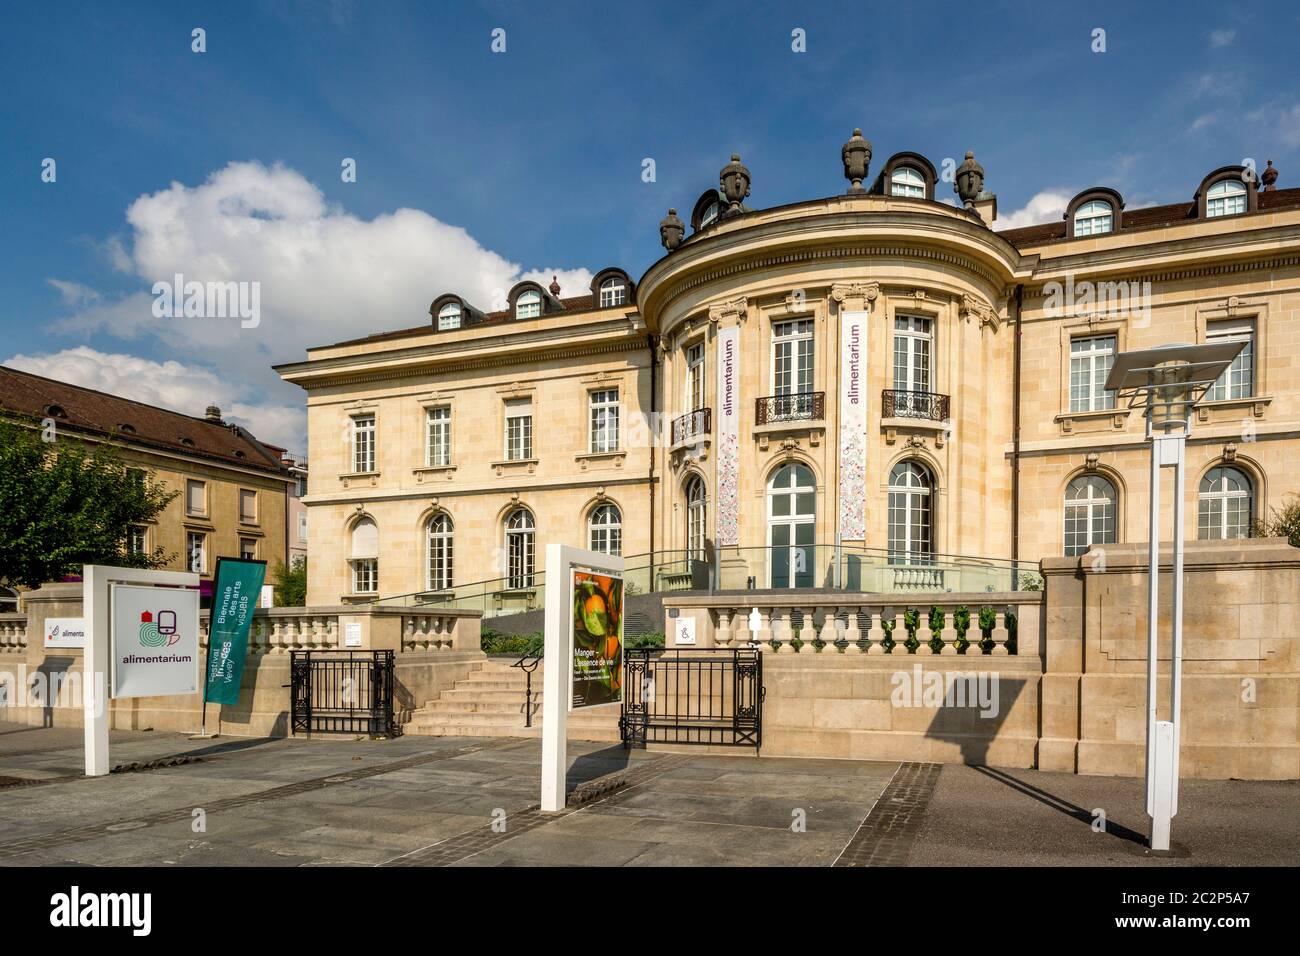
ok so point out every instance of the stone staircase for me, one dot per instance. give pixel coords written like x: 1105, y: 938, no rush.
x: 490, y: 703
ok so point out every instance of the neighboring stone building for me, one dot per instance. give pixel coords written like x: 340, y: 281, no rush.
x: 297, y: 518
x: 234, y: 490
x: 880, y: 369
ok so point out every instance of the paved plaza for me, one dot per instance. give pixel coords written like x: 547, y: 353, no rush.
x: 426, y: 801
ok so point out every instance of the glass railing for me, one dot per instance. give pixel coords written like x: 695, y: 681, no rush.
x: 855, y: 569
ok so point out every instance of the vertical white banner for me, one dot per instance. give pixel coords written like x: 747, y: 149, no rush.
x: 728, y: 492
x: 853, y: 426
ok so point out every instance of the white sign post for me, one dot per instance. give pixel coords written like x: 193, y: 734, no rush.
x: 557, y: 673
x: 147, y: 623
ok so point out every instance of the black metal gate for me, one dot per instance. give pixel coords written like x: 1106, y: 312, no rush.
x: 690, y: 696
x: 348, y: 692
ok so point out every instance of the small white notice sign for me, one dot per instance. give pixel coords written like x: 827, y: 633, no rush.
x: 684, y: 632
x: 352, y: 635
x: 65, y: 632
x: 268, y: 596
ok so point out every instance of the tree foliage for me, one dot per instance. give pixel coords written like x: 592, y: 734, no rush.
x: 65, y: 503
x: 1283, y: 522
x: 290, y: 583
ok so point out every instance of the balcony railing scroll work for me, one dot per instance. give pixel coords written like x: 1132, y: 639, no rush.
x: 790, y: 407
x: 902, y: 403
x: 692, y: 426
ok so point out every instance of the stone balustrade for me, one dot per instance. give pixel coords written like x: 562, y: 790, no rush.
x: 437, y: 631
x: 13, y: 633
x: 281, y: 630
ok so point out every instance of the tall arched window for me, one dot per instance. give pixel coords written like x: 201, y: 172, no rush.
x: 792, y: 526
x: 439, y: 544
x: 1093, y: 218
x: 911, y: 534
x: 363, y: 557
x: 613, y: 291
x: 528, y: 305
x: 696, y: 517
x: 1227, y: 197
x: 1226, y: 505
x: 605, y: 530
x: 906, y: 181
x: 1089, y: 513
x: 519, y: 549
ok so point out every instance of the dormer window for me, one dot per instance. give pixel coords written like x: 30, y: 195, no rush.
x: 1227, y: 197
x: 449, y: 317
x: 709, y: 215
x: 1094, y: 218
x: 907, y: 182
x: 528, y: 305
x: 613, y: 291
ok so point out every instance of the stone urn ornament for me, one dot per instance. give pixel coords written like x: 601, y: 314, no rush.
x: 857, y: 158
x: 671, y: 230
x: 970, y: 181
x: 733, y: 180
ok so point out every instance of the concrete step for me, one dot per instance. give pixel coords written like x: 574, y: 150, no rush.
x: 444, y: 706
x: 508, y: 728
x: 508, y: 696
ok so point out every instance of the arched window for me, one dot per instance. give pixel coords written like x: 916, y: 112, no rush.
x: 1227, y: 197
x: 613, y: 291
x: 911, y: 535
x: 1094, y: 218
x: 364, y: 557
x: 792, y: 526
x: 605, y: 530
x: 696, y: 514
x: 439, y: 543
x: 908, y: 182
x: 1089, y: 513
x: 519, y: 549
x: 449, y: 316
x: 1226, y: 505
x: 528, y: 305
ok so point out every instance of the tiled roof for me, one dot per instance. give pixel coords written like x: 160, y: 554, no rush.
x: 1149, y: 217
x: 85, y: 410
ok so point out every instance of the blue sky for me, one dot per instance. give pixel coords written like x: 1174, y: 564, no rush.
x: 475, y: 168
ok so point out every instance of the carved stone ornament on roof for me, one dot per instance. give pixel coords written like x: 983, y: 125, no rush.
x: 973, y: 307
x: 733, y: 307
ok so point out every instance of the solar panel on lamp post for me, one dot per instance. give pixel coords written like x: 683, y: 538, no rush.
x: 1166, y: 383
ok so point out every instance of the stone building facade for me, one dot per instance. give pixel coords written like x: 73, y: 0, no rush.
x: 878, y: 389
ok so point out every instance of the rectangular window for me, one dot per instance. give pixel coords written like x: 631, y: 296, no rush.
x: 1238, y: 380
x: 300, y: 490
x: 695, y: 377
x: 913, y: 336
x: 519, y: 429
x: 302, y: 526
x: 363, y: 444
x: 248, y: 549
x: 196, y: 551
x: 792, y: 357
x: 247, y: 506
x: 365, y: 576
x: 136, y: 475
x: 604, y: 421
x: 437, y: 453
x: 1090, y: 362
x: 196, y: 497
x: 136, y: 539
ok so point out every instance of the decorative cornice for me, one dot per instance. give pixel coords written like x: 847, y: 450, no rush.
x: 1035, y: 291
x: 870, y: 291
x: 973, y: 307
x: 738, y: 307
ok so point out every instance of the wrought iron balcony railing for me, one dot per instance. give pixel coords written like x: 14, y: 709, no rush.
x: 793, y: 407
x: 899, y: 403
x: 694, y: 424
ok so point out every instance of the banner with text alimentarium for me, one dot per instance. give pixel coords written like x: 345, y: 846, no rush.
x: 853, y: 426
x: 728, y: 520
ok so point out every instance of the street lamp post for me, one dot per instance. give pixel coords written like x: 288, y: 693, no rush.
x: 1166, y: 383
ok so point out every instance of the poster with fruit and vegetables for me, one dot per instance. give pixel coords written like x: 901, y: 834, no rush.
x: 597, y: 639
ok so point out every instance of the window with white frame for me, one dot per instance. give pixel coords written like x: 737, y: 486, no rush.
x: 1094, y: 218
x: 1226, y: 506
x: 519, y: 429
x: 696, y: 517
x: 1238, y: 379
x: 247, y: 506
x: 528, y: 305
x: 1091, y: 359
x: 196, y: 551
x: 907, y: 181
x: 196, y: 497
x: 911, y: 535
x: 437, y: 450
x: 519, y: 549
x: 364, y: 557
x: 913, y: 337
x: 604, y: 420
x: 695, y: 377
x: 302, y: 526
x: 137, y: 537
x: 792, y: 357
x: 449, y: 317
x: 363, y: 443
x: 605, y: 530
x: 438, y: 545
x: 1227, y: 197
x: 1089, y: 514
x: 300, y: 486
x: 613, y: 291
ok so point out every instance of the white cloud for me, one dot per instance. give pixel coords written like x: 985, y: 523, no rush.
x: 1221, y: 37
x: 1046, y: 206
x: 189, y: 389
x: 74, y: 293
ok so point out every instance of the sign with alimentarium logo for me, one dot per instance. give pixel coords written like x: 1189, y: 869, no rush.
x: 65, y: 632
x: 727, y: 534
x: 853, y: 426
x: 155, y: 640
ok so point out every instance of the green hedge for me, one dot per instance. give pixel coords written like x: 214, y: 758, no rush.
x: 533, y: 644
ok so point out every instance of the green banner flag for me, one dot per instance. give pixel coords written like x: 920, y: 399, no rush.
x: 235, y: 590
